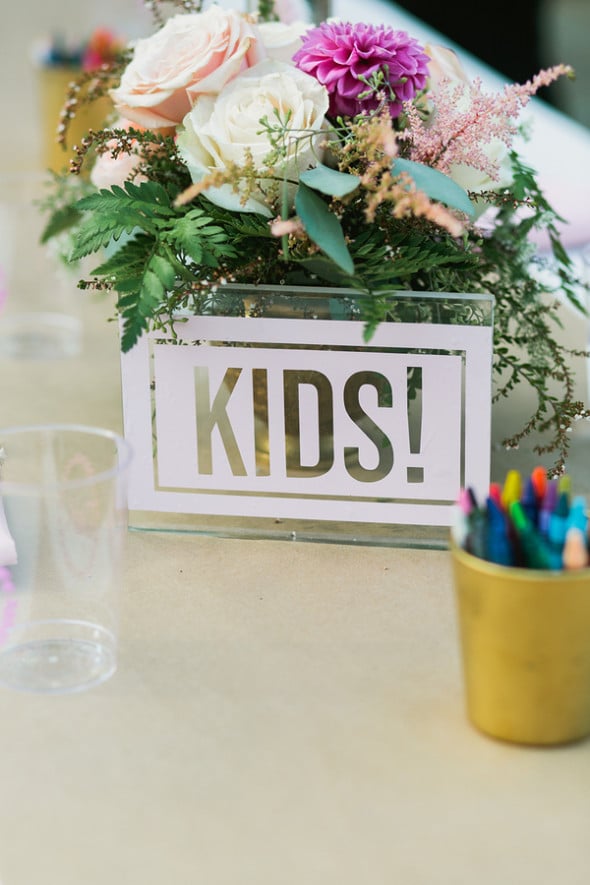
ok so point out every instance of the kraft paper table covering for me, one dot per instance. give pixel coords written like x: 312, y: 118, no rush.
x: 282, y: 712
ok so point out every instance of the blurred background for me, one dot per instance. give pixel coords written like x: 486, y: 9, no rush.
x: 28, y: 27
x: 564, y: 35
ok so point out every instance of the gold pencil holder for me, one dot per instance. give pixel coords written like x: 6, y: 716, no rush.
x: 525, y: 644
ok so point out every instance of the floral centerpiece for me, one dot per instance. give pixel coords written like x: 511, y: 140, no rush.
x: 249, y: 149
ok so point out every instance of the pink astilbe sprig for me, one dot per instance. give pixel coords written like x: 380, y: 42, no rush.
x: 369, y: 150
x: 466, y: 120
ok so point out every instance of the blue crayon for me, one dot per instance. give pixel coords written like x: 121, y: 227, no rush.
x: 498, y: 545
x: 577, y: 516
x: 530, y: 503
x: 557, y: 526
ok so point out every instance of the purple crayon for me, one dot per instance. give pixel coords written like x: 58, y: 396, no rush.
x: 548, y: 506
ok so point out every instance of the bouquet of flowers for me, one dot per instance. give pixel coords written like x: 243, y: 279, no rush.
x: 246, y: 148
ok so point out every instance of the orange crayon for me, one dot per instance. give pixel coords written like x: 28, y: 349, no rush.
x: 539, y: 481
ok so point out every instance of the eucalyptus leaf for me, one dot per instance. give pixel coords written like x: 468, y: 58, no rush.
x: 330, y: 181
x: 323, y: 227
x: 435, y: 185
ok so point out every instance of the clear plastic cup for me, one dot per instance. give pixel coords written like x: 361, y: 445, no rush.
x: 63, y: 523
x: 39, y: 299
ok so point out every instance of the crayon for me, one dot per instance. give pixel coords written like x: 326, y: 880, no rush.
x: 575, y: 549
x: 564, y: 485
x: 495, y: 493
x: 466, y: 501
x: 498, y: 543
x: 534, y: 548
x: 557, y: 525
x: 539, y: 481
x: 548, y: 506
x: 512, y: 488
x: 476, y: 535
x: 543, y: 528
x: 459, y: 526
x: 577, y: 515
x: 530, y: 503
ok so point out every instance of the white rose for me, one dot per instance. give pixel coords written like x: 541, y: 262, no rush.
x: 280, y: 40
x: 472, y: 179
x: 191, y: 54
x: 225, y: 128
x: 292, y: 10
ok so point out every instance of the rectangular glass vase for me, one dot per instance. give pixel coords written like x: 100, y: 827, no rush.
x: 275, y: 416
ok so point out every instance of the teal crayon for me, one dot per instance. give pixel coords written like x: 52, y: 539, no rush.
x: 577, y: 516
x: 477, y: 533
x: 557, y: 525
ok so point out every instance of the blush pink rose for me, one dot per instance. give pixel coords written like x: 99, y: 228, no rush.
x: 191, y: 54
x: 109, y: 170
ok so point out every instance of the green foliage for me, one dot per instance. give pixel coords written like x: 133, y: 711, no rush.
x: 159, y: 243
x: 434, y: 184
x: 62, y: 220
x: 323, y: 227
x: 330, y: 181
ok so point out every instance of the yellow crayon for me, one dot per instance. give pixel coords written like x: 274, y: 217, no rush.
x: 564, y: 484
x: 512, y: 488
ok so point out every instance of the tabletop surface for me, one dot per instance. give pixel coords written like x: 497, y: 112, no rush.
x: 282, y: 712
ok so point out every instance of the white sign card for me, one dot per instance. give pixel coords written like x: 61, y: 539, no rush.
x: 226, y: 420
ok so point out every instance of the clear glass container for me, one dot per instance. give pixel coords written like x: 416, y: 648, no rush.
x: 273, y: 415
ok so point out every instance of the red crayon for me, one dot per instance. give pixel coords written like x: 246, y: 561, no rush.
x: 496, y: 494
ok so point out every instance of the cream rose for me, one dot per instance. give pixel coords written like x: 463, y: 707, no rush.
x: 281, y: 41
x: 293, y: 10
x: 191, y: 54
x: 223, y: 129
x: 446, y: 67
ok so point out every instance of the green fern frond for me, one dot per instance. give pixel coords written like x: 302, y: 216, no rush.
x: 196, y: 236
x: 144, y: 296
x: 110, y: 214
x: 63, y: 219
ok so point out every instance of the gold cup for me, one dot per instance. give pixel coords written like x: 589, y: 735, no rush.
x: 525, y: 643
x: 53, y: 83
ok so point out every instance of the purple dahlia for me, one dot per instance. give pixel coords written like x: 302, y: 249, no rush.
x: 343, y: 56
